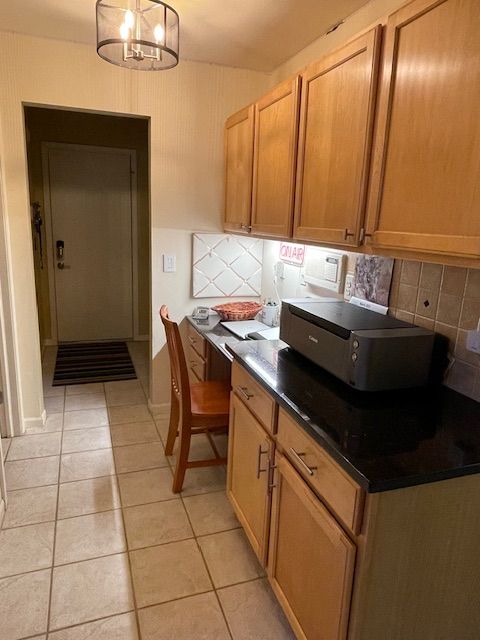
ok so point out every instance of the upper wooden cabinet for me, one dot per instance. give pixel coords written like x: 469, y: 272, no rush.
x: 336, y: 122
x: 425, y: 193
x: 239, y: 132
x: 275, y: 150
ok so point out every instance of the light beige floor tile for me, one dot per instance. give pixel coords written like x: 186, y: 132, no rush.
x: 87, y: 464
x: 221, y: 442
x: 82, y: 389
x: 140, y: 487
x: 46, y: 444
x: 85, y: 401
x: 28, y: 592
x: 86, y: 440
x: 92, y: 536
x: 197, y: 617
x: 134, y: 413
x: 134, y: 433
x: 88, y: 496
x: 49, y: 391
x: 137, y: 457
x: 26, y: 549
x: 122, y: 627
x: 85, y: 419
x: 204, y: 480
x: 37, y: 472
x: 122, y: 385
x: 162, y: 428
x: 230, y: 558
x: 29, y: 506
x: 180, y: 561
x: 6, y: 442
x: 89, y: 590
x: 54, y: 422
x: 156, y: 523
x: 210, y: 513
x: 54, y: 404
x: 128, y: 396
x: 253, y: 612
x: 161, y: 410
x: 200, y: 449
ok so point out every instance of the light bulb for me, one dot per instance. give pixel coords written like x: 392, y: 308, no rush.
x: 124, y: 31
x: 129, y: 19
x: 159, y: 32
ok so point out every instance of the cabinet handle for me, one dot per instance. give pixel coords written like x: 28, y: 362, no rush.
x: 364, y: 234
x: 348, y: 234
x: 246, y: 227
x: 245, y: 393
x: 261, y: 453
x: 192, y: 340
x: 299, y: 458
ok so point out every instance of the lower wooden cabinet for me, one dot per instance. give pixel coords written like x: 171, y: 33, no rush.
x: 249, y: 457
x: 311, y: 560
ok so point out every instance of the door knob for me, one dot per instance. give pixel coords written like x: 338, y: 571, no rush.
x: 60, y: 265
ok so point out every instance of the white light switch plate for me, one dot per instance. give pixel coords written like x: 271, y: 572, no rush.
x: 169, y: 263
x: 473, y: 341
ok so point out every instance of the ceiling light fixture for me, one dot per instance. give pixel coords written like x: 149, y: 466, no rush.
x: 138, y: 34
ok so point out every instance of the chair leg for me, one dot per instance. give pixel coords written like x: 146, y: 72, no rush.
x: 173, y: 425
x: 182, y: 459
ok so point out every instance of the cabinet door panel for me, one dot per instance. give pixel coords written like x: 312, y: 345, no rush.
x: 276, y: 133
x: 249, y: 451
x: 238, y: 170
x: 338, y: 97
x: 311, y: 560
x: 425, y: 191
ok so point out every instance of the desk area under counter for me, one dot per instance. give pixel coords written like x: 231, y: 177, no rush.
x: 362, y: 507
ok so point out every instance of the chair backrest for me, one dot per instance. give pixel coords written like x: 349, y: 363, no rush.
x: 178, y: 365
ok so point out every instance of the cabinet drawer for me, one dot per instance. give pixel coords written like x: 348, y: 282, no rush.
x: 260, y: 403
x: 323, y: 474
x: 196, y: 340
x: 197, y: 365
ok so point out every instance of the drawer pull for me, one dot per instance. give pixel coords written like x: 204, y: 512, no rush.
x: 299, y: 458
x: 261, y: 453
x: 192, y: 340
x: 245, y: 393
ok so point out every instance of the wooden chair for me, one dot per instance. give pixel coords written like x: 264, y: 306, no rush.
x: 201, y: 407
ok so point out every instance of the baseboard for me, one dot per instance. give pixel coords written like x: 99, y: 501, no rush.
x: 159, y: 409
x: 2, y: 511
x: 29, y: 423
x: 141, y: 338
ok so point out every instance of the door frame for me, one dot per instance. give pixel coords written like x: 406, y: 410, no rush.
x: 46, y: 146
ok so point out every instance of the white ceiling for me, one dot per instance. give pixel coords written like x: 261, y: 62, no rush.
x: 253, y: 34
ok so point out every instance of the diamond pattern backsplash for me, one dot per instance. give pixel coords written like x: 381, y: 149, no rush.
x: 226, y: 266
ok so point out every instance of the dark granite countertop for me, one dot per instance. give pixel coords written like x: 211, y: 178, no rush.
x: 215, y: 333
x: 384, y: 440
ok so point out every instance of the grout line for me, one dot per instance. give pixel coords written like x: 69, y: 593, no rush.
x: 132, y: 585
x: 54, y: 541
x: 208, y: 569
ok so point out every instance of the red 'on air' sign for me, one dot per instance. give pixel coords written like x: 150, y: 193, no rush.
x: 292, y: 253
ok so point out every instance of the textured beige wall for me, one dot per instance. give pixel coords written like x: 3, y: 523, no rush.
x: 52, y: 125
x: 187, y: 106
x: 374, y: 12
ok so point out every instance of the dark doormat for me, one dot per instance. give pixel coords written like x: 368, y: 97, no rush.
x: 79, y: 363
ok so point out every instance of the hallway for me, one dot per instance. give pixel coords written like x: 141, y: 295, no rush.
x: 94, y: 543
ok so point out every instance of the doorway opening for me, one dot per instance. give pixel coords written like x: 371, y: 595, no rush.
x: 89, y: 193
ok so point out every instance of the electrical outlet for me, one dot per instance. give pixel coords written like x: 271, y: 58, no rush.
x: 473, y: 341
x: 348, y: 291
x: 279, y: 270
x: 169, y: 263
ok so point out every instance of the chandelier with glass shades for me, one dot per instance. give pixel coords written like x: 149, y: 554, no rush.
x: 138, y: 34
